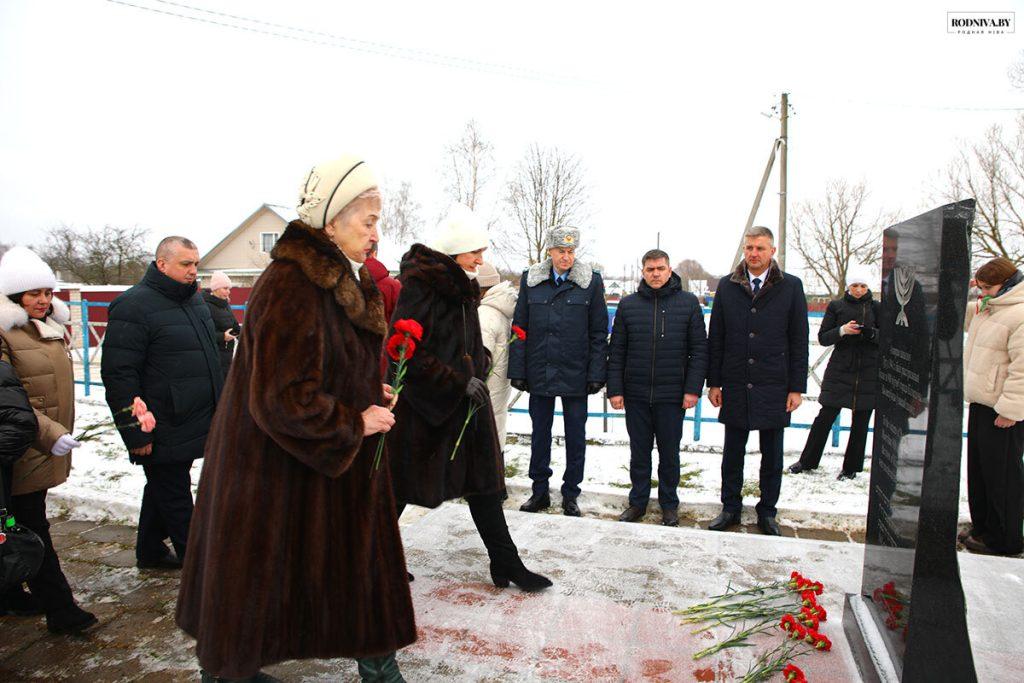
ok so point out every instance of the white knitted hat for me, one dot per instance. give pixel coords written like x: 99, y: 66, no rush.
x: 858, y: 274
x: 330, y: 186
x: 459, y: 232
x: 220, y: 279
x: 21, y: 270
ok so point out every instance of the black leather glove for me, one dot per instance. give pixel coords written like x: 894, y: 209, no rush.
x: 520, y: 385
x: 476, y: 389
x: 594, y: 387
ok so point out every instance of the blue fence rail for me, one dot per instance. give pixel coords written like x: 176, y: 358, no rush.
x: 697, y: 417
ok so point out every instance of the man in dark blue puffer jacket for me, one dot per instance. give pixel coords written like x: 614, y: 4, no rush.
x: 657, y: 362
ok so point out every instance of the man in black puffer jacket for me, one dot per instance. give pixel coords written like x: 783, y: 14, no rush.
x: 657, y: 362
x: 161, y: 345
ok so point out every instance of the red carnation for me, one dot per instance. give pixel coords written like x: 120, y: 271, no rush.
x: 793, y: 674
x: 519, y: 332
x: 399, y: 344
x: 409, y: 327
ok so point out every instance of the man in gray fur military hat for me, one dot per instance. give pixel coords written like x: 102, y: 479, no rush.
x: 562, y: 308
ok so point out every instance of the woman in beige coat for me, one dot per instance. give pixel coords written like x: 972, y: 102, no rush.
x: 32, y: 339
x: 994, y: 388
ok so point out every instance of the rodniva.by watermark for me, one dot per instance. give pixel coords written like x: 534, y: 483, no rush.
x: 981, y: 23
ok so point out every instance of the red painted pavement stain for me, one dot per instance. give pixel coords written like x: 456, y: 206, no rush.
x: 652, y: 670
x: 457, y: 595
x: 582, y: 663
x: 468, y: 643
x: 724, y: 673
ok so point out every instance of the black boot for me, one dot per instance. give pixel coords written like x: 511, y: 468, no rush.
x: 506, y: 565
x: 20, y: 603
x: 380, y: 669
x: 72, y: 619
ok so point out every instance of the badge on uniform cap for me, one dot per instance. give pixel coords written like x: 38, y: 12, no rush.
x: 568, y: 239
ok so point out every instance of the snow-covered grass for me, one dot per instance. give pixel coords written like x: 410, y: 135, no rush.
x: 104, y: 485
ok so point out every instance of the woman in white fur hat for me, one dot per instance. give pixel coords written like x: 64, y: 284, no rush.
x: 851, y: 378
x: 32, y: 339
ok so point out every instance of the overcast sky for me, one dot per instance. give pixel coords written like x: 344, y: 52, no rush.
x: 111, y: 114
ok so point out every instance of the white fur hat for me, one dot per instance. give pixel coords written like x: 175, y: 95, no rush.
x: 22, y: 270
x: 857, y: 274
x: 220, y: 279
x: 459, y: 232
x: 330, y: 186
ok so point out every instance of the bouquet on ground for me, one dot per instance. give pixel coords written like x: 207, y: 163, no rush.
x: 144, y: 420
x: 400, y: 348
x: 518, y: 333
x: 790, y: 605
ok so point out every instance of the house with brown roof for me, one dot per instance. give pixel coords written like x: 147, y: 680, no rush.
x: 245, y: 251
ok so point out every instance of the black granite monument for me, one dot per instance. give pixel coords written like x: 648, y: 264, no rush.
x: 908, y: 623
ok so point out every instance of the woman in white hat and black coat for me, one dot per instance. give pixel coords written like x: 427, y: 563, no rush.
x: 33, y: 341
x: 850, y: 326
x: 446, y: 378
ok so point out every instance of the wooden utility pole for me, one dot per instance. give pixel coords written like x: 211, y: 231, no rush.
x: 778, y: 146
x: 784, y: 138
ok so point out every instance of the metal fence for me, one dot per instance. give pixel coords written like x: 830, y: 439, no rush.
x: 92, y: 340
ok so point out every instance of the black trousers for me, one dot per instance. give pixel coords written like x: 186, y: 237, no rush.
x: 770, y: 480
x: 574, y: 415
x: 994, y: 480
x: 489, y: 518
x: 645, y: 423
x: 821, y: 429
x: 166, y: 511
x: 49, y: 586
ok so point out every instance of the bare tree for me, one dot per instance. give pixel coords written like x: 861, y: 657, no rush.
x: 469, y: 166
x: 400, y: 218
x: 833, y: 233
x: 992, y: 172
x: 1016, y: 72
x: 108, y: 256
x: 4, y: 247
x: 546, y: 189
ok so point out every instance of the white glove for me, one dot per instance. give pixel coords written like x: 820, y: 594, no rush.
x: 64, y: 445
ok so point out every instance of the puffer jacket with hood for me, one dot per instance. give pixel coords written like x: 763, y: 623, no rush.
x: 994, y: 357
x: 39, y: 354
x: 496, y: 309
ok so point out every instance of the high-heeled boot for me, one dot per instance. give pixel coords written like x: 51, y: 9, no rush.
x: 506, y: 565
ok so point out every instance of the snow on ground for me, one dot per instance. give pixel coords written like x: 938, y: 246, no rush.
x: 104, y: 485
x: 813, y: 499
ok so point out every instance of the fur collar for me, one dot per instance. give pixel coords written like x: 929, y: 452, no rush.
x: 438, y: 271
x: 739, y: 276
x: 581, y: 273
x: 12, y: 315
x: 327, y: 267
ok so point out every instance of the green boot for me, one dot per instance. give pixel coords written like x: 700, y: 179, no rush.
x: 380, y: 669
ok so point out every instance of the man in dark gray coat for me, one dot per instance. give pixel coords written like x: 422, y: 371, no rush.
x: 758, y: 371
x: 161, y: 345
x: 657, y: 361
x: 561, y: 306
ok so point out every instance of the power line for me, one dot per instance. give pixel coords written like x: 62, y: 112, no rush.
x: 276, y: 30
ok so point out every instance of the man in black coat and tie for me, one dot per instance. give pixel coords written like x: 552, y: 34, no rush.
x: 758, y: 371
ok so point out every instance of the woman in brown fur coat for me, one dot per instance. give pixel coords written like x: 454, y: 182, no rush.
x: 294, y: 550
x: 446, y: 376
